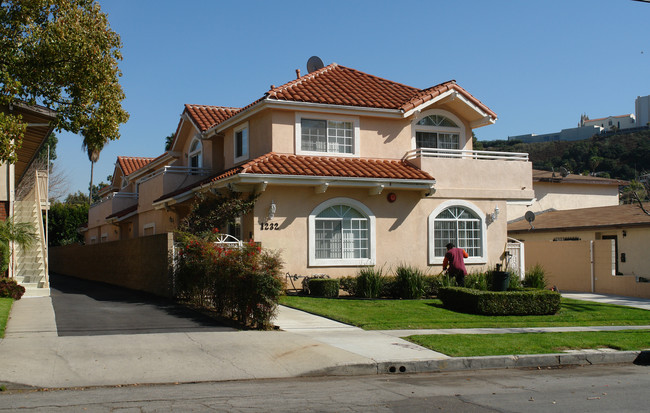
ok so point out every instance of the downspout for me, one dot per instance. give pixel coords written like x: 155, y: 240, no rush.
x: 592, y: 266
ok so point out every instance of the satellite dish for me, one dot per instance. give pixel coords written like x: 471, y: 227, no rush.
x: 314, y: 63
x: 530, y: 217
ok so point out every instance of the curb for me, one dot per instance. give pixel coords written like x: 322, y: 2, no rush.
x: 513, y: 362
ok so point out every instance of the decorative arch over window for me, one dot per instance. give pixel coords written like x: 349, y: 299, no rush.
x: 461, y: 223
x: 341, y: 232
x: 195, y: 154
x: 438, y: 129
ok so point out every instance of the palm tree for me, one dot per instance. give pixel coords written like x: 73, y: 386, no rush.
x: 93, y: 150
x: 22, y: 233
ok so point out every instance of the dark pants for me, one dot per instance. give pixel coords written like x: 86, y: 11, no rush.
x: 459, y: 276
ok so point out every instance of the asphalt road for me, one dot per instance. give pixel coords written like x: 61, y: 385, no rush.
x: 603, y: 388
x: 86, y: 308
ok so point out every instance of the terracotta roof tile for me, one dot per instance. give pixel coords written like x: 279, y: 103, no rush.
x: 207, y: 116
x: 125, y: 211
x: 130, y: 164
x: 609, y: 216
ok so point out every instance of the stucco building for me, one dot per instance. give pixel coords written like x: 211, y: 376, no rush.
x: 351, y: 170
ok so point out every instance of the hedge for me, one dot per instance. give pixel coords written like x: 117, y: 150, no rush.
x: 525, y: 302
x: 324, y: 287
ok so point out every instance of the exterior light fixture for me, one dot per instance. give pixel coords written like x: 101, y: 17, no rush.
x: 272, y: 210
x: 391, y: 197
x: 492, y: 217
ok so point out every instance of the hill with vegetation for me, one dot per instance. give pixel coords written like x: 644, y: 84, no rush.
x: 615, y: 155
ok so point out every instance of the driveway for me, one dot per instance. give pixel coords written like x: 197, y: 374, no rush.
x: 86, y: 308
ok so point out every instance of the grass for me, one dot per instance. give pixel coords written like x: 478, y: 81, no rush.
x: 418, y: 314
x: 5, y: 307
x: 469, y: 345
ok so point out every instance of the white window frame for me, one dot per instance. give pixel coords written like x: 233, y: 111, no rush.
x: 196, y: 152
x: 461, y: 131
x: 333, y: 117
x: 104, y: 237
x: 93, y: 240
x: 433, y: 260
x: 145, y: 227
x: 245, y: 142
x: 342, y: 262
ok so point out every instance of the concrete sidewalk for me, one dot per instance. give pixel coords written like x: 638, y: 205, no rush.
x: 35, y: 356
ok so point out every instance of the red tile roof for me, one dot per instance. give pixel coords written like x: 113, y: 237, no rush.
x: 325, y: 166
x: 585, y: 218
x: 206, y: 116
x: 338, y: 85
x: 130, y: 164
x: 124, y: 212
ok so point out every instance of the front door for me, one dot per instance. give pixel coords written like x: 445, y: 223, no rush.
x: 615, y: 238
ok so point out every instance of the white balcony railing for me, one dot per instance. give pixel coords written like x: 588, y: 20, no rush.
x: 465, y: 154
x: 183, y: 170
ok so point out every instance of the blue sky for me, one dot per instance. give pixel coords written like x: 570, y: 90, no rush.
x: 538, y: 65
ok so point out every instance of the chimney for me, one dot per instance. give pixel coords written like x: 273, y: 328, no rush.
x: 297, y: 73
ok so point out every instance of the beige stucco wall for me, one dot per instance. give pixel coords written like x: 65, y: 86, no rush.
x: 568, y: 262
x: 401, y: 228
x: 139, y: 264
x: 563, y: 196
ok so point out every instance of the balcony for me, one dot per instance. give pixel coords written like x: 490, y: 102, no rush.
x: 166, y: 180
x: 476, y: 174
x: 110, y: 204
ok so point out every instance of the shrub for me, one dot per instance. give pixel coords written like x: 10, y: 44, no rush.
x: 369, y: 282
x: 348, y: 284
x: 515, y: 282
x: 4, y: 257
x: 535, y: 278
x: 243, y: 284
x: 477, y: 281
x: 11, y: 289
x: 409, y: 282
x: 433, y: 283
x: 526, y: 302
x: 324, y: 287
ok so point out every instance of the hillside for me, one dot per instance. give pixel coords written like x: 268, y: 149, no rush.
x: 620, y: 155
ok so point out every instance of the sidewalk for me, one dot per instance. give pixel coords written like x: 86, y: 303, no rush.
x: 35, y: 356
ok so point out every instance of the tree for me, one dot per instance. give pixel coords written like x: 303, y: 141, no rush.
x: 209, y: 212
x: 169, y: 140
x: 61, y: 54
x: 65, y: 219
x: 22, y: 233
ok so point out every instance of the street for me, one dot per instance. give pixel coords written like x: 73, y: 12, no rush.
x: 606, y: 388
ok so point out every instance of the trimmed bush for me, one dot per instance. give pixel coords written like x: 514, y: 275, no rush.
x: 535, y: 278
x: 433, y: 283
x: 409, y: 282
x: 526, y: 302
x: 369, y: 282
x: 348, y: 284
x: 9, y: 288
x: 324, y: 287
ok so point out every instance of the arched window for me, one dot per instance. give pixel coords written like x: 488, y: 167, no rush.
x: 460, y: 223
x: 196, y: 154
x: 439, y: 129
x: 341, y: 232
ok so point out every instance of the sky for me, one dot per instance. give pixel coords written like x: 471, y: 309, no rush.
x: 539, y: 65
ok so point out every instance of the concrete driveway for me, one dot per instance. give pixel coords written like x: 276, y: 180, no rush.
x: 86, y: 308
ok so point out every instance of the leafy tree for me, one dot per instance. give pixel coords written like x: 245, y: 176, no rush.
x: 65, y: 219
x: 61, y: 54
x: 169, y: 140
x: 210, y: 212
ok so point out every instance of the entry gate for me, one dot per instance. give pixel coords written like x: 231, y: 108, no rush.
x: 515, y: 257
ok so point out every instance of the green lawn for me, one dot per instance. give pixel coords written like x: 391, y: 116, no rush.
x: 412, y: 314
x: 5, y: 307
x: 468, y: 345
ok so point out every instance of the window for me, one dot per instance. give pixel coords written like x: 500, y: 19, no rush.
x: 196, y: 154
x: 241, y: 143
x: 327, y: 135
x: 438, y: 130
x: 461, y: 223
x: 341, y: 232
x: 149, y: 229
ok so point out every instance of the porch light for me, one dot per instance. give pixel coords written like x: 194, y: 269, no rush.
x: 272, y: 210
x: 492, y: 217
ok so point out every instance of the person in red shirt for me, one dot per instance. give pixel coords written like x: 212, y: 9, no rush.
x: 455, y: 260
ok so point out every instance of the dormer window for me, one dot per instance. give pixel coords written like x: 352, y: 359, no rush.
x: 196, y: 154
x: 439, y: 131
x: 327, y: 135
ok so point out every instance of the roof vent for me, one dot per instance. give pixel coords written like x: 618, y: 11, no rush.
x: 314, y: 63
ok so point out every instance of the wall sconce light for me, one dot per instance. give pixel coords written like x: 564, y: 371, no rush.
x: 492, y: 217
x: 624, y: 233
x: 272, y: 210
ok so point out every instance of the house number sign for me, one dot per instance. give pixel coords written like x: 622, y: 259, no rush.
x: 269, y: 226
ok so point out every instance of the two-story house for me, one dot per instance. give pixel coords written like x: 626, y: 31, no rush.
x: 351, y: 170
